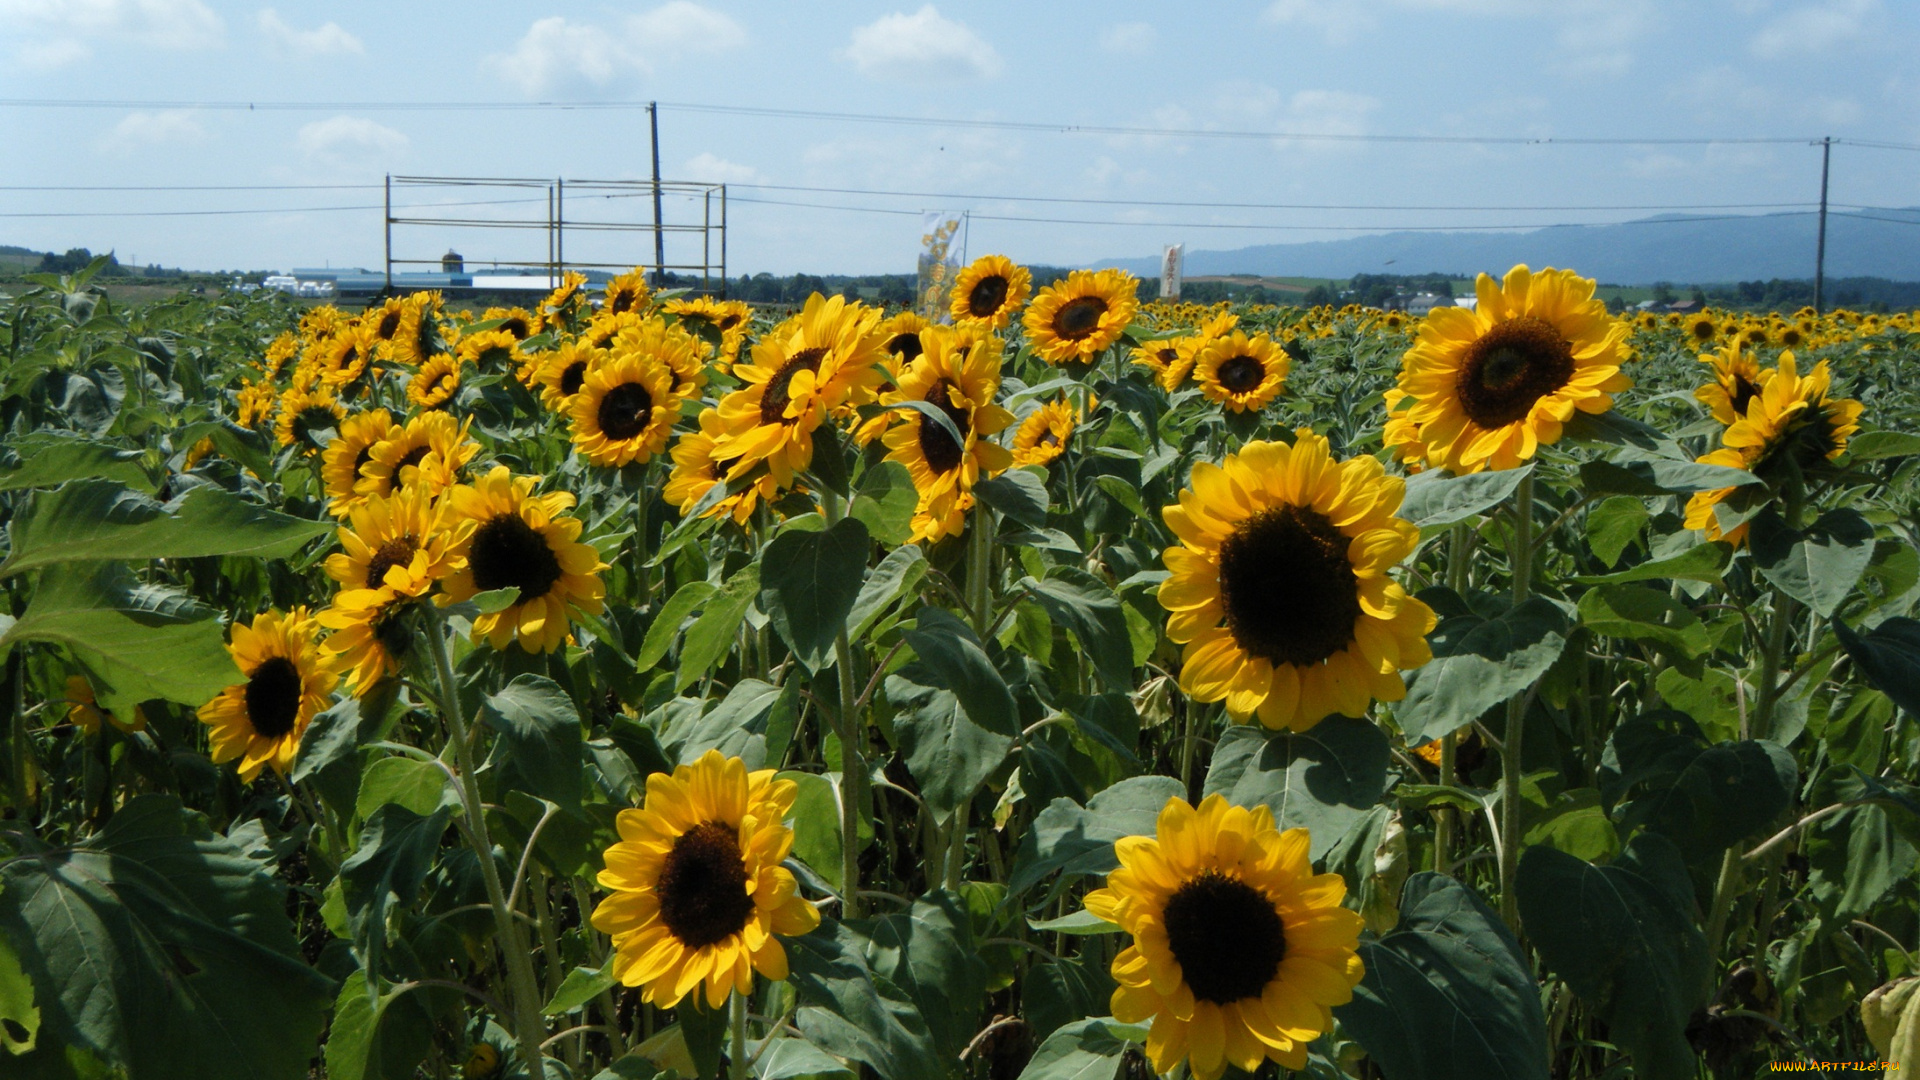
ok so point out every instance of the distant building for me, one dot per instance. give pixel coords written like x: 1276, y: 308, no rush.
x: 1421, y: 303
x: 353, y: 281
x: 452, y: 263
x: 1684, y: 307
x: 1465, y: 301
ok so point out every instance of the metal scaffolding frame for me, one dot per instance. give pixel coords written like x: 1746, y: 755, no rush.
x: 555, y: 223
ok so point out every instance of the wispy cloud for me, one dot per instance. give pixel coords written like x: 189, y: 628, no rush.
x: 923, y: 46
x: 557, y: 53
x: 327, y: 39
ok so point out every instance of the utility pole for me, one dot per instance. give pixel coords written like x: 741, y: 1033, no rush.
x: 1820, y: 252
x: 388, y: 288
x: 659, y: 238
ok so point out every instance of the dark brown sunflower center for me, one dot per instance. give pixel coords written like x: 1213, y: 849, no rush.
x: 411, y: 458
x: 1743, y: 392
x: 1240, y: 374
x: 905, y: 346
x: 507, y: 553
x: 695, y: 322
x: 1079, y: 317
x: 773, y: 403
x: 395, y: 552
x: 1168, y: 355
x: 273, y: 697
x: 1226, y: 935
x: 1703, y: 330
x: 943, y: 454
x: 1049, y: 439
x: 389, y: 325
x: 348, y: 355
x: 1513, y: 365
x: 572, y: 377
x: 517, y: 326
x: 1790, y: 337
x: 703, y: 886
x: 1286, y: 585
x: 360, y: 459
x: 729, y: 320
x: 623, y: 301
x: 986, y: 296
x: 625, y: 410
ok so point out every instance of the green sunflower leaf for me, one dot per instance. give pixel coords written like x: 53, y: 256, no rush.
x: 102, y: 520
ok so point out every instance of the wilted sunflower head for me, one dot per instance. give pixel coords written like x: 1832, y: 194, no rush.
x: 1240, y: 951
x: 1489, y: 385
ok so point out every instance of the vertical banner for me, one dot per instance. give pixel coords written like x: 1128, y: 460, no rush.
x: 939, y: 262
x: 1170, y: 267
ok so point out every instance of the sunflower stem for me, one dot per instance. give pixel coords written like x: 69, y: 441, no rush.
x: 852, y: 733
x: 1771, y: 651
x: 979, y: 564
x: 1522, y: 556
x: 738, y: 1057
x: 1443, y: 822
x: 526, y: 988
x: 642, y: 580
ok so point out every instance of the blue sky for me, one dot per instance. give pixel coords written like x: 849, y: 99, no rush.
x: 1534, y: 68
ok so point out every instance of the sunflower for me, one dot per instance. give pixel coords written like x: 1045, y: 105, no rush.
x: 1490, y: 384
x: 519, y: 540
x: 1043, y: 435
x: 1240, y: 951
x: 370, y: 638
x: 1701, y: 328
x: 489, y: 350
x: 1400, y: 434
x: 1169, y: 359
x: 436, y: 381
x: 254, y: 404
x: 1789, y: 427
x: 823, y: 361
x: 729, y: 319
x: 561, y: 372
x: 430, y: 451
x: 684, y: 353
x: 348, y: 453
x: 305, y: 411
x: 989, y: 292
x: 902, y: 334
x: 627, y: 407
x: 283, y: 348
x: 402, y: 543
x: 1243, y: 373
x: 85, y: 713
x: 286, y: 681
x: 382, y: 324
x: 563, y: 305
x: 959, y: 374
x: 518, y: 321
x: 1279, y: 588
x: 1737, y: 378
x: 696, y: 470
x: 699, y: 897
x: 1075, y: 318
x: 418, y: 338
x: 628, y: 292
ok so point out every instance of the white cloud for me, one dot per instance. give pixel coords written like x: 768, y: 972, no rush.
x: 710, y: 168
x: 143, y: 130
x: 1593, y: 34
x: 559, y: 54
x: 347, y: 141
x: 1340, y: 20
x: 54, y: 33
x: 921, y: 47
x: 1131, y: 38
x: 326, y: 39
x: 1814, y: 28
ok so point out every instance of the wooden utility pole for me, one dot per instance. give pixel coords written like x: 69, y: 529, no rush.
x: 1820, y: 252
x: 659, y: 238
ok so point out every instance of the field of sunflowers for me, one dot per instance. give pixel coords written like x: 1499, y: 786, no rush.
x: 646, y: 685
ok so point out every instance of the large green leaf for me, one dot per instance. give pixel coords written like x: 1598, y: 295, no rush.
x: 1449, y: 993
x: 711, y: 635
x: 139, y: 642
x: 1706, y: 799
x: 666, y: 625
x: 1645, y: 614
x: 1088, y: 609
x: 1818, y: 566
x: 1436, y: 498
x: 1019, y: 494
x: 1889, y: 656
x: 852, y: 1012
x: 1324, y: 779
x: 885, y: 502
x: 809, y: 582
x: 377, y: 1037
x: 397, y: 849
x: 952, y: 658
x: 736, y: 726
x: 1479, y: 663
x: 47, y: 459
x: 1082, y: 1050
x: 161, y: 949
x: 1614, y: 524
x: 928, y: 953
x: 101, y: 519
x: 538, y: 749
x: 1658, y: 476
x: 1702, y: 562
x: 1057, y: 994
x: 1070, y: 840
x: 1623, y: 937
x: 949, y: 753
x: 898, y: 574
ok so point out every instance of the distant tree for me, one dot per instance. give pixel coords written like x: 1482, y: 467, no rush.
x: 1317, y: 296
x: 1663, y: 292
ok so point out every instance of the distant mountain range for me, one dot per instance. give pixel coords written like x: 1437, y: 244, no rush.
x: 1677, y: 248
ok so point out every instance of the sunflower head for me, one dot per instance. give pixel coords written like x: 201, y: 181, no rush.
x: 627, y: 406
x: 489, y: 350
x: 1790, y: 427
x: 435, y: 382
x: 1074, y: 319
x: 402, y: 543
x: 344, y: 458
x: 698, y: 899
x: 85, y: 713
x: 1043, y: 435
x: 1737, y: 379
x: 429, y: 451
x: 519, y: 540
x: 1242, y: 373
x: 1240, y: 951
x: 697, y: 466
x: 990, y: 291
x: 564, y: 306
x: 371, y: 637
x: 561, y: 372
x: 723, y: 322
x: 958, y: 374
x: 1489, y: 385
x: 628, y: 293
x: 1280, y: 587
x: 287, y: 680
x: 304, y: 414
x: 418, y: 338
x: 902, y: 334
x: 517, y: 321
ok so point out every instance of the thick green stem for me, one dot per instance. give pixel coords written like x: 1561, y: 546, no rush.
x: 1521, y: 555
x: 980, y: 569
x: 738, y: 1057
x: 1443, y: 823
x: 1723, y: 892
x: 526, y: 988
x: 642, y: 578
x: 1771, y: 651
